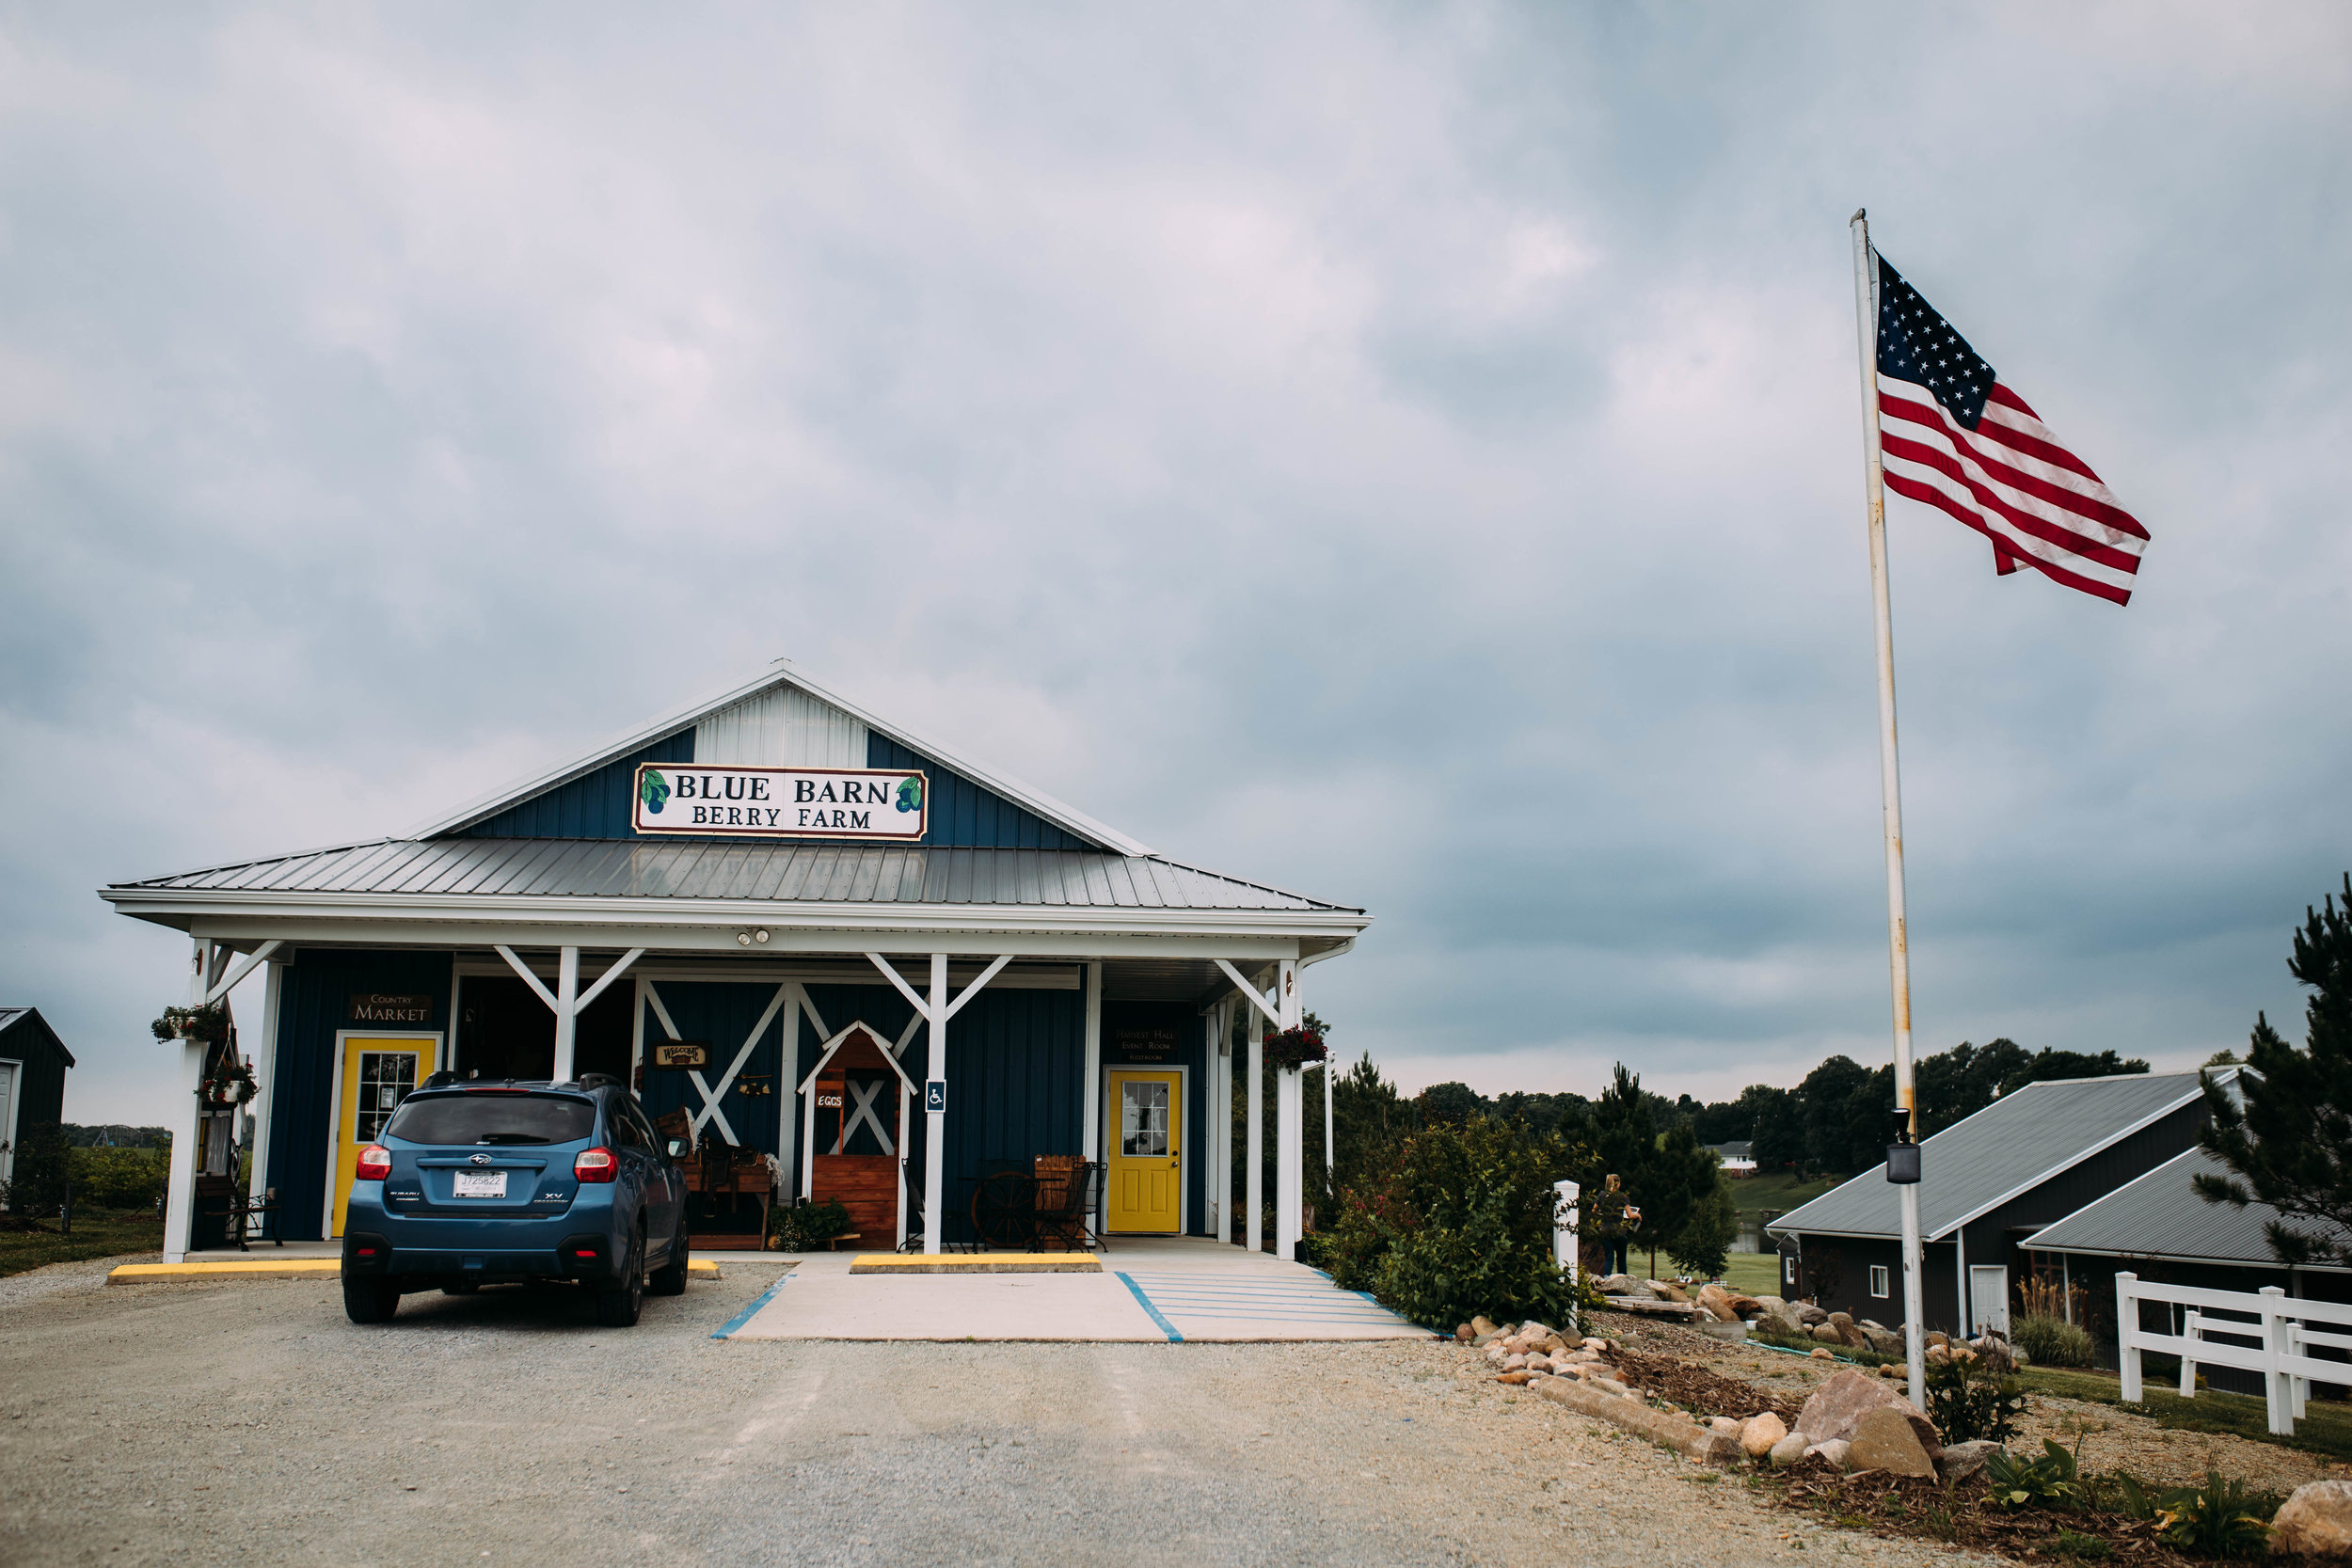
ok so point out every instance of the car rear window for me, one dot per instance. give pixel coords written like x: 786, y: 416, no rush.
x: 493, y: 1116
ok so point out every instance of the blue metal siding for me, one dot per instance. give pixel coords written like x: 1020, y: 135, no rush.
x: 312, y: 1007
x: 963, y: 815
x: 594, y: 805
x: 723, y: 1012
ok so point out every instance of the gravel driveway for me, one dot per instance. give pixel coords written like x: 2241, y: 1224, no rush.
x: 203, y: 1422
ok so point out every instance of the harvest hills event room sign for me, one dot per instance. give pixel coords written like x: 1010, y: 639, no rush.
x: 782, y: 802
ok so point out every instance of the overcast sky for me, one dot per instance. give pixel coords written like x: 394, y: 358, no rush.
x: 1407, y: 454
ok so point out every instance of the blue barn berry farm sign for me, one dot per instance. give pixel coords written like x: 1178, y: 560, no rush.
x: 782, y: 802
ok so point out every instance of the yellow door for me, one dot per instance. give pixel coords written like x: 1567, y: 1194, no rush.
x: 1147, y: 1168
x: 378, y: 1076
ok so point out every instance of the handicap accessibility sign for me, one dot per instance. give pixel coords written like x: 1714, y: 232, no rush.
x: 935, y: 1096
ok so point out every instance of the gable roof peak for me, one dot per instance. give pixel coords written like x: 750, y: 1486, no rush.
x: 783, y: 672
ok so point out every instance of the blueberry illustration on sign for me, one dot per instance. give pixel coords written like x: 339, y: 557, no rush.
x: 655, y: 789
x: 911, y: 794
x: 935, y: 1096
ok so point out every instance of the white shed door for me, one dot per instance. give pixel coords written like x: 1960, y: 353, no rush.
x: 7, y: 1120
x: 1988, y: 1299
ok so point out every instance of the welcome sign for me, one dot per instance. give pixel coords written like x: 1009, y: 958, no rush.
x: 782, y: 802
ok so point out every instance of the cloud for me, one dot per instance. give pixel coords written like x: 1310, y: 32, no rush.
x: 1409, y: 456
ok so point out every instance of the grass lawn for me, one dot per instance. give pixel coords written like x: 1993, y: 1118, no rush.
x: 97, y: 1233
x: 1752, y: 1274
x: 2325, y: 1428
x: 1780, y: 1189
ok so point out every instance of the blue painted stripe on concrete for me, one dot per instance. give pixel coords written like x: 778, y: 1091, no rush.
x: 1145, y: 1301
x: 749, y: 1312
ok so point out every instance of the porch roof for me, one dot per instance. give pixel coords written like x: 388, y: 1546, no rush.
x: 760, y: 873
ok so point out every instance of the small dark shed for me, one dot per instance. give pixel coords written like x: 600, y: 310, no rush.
x: 1989, y: 1184
x: 33, y: 1061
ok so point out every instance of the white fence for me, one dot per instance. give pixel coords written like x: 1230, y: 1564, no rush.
x: 2281, y: 1328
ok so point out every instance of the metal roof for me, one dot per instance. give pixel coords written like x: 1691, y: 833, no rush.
x: 784, y: 673
x: 2160, y: 1215
x: 765, y: 873
x: 12, y: 1017
x: 2014, y: 1145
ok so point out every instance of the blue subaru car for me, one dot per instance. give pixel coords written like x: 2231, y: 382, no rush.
x: 476, y: 1181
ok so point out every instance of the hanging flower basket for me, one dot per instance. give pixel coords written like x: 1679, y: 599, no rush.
x: 1291, y: 1049
x: 209, y: 1024
x: 231, y: 1083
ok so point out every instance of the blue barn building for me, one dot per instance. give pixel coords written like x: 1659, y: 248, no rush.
x: 851, y: 959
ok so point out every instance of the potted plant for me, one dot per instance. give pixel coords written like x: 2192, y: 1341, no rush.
x: 1288, y: 1050
x: 209, y: 1024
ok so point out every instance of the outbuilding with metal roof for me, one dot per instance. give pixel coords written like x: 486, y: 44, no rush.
x: 702, y: 904
x: 1988, y: 1184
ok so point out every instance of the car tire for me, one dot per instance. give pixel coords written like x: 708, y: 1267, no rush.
x: 371, y: 1300
x: 670, y: 1279
x: 619, y: 1305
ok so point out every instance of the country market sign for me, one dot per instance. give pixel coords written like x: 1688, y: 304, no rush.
x: 782, y: 802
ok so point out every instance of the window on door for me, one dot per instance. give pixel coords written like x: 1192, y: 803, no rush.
x: 1143, y: 1117
x: 1877, y: 1280
x: 385, y: 1079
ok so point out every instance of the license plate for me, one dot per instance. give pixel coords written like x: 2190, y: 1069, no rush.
x: 480, y: 1184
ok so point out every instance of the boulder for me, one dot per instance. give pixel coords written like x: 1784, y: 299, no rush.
x: 1883, y: 1340
x: 1746, y: 1307
x: 1664, y: 1292
x: 1821, y: 1354
x: 1811, y: 1315
x: 1832, y: 1453
x: 1828, y: 1334
x: 1514, y: 1362
x: 1994, y: 1352
x: 1727, y: 1424
x: 1838, y: 1406
x: 1596, y: 1345
x: 1534, y: 1330
x: 1465, y: 1333
x: 1964, y: 1461
x: 1887, y: 1440
x: 1481, y: 1327
x: 1788, y: 1450
x: 1718, y: 1302
x: 2316, y: 1520
x: 1517, y: 1377
x: 1760, y: 1432
x: 1622, y: 1285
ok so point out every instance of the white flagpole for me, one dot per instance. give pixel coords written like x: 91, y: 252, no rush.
x: 1890, y: 792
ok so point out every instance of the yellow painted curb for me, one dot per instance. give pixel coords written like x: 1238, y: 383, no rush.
x: 287, y: 1268
x: 981, y: 1262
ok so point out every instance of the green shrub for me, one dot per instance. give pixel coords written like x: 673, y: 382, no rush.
x: 37, y: 1182
x: 806, y: 1226
x: 2051, y: 1482
x: 120, y: 1177
x: 1968, y: 1401
x: 2218, y: 1519
x: 2054, y: 1342
x: 1459, y: 1223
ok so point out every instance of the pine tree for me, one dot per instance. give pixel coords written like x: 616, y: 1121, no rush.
x: 2289, y: 1142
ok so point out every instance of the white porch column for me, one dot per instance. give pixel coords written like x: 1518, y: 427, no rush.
x: 566, y: 1016
x: 1221, y: 1117
x: 1253, y: 1158
x: 1290, y: 1153
x: 1090, y: 1138
x: 1329, y: 1157
x: 935, y: 1107
x: 180, y: 1206
x: 264, y: 1077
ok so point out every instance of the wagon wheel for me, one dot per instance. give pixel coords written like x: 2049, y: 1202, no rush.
x: 1004, y: 1209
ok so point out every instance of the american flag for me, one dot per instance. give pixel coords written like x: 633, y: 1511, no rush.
x: 1954, y: 436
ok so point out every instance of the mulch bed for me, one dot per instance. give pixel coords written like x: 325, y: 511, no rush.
x: 1893, y: 1506
x: 1698, y: 1390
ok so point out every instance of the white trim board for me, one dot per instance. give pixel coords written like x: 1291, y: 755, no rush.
x: 770, y: 971
x: 16, y: 1109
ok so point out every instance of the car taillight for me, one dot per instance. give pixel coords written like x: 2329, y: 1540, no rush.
x: 594, y: 1165
x: 375, y: 1162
